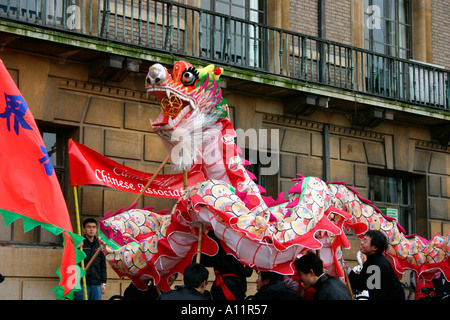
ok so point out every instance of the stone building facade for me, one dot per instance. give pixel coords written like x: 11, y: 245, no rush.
x: 73, y: 91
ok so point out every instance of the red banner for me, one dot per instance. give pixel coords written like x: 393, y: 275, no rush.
x: 88, y: 167
x: 29, y: 187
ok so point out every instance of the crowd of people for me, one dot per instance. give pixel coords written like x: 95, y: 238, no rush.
x: 375, y: 276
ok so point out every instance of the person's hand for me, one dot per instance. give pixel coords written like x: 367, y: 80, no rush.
x: 103, y: 288
x: 345, y: 265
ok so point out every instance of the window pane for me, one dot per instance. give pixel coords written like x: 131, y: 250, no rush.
x: 206, y: 4
x: 403, y: 12
x: 378, y: 35
x: 391, y: 185
x: 407, y: 220
x: 391, y: 33
x: 379, y: 47
x: 377, y: 186
x: 406, y: 192
x: 390, y: 9
x: 50, y: 144
x: 379, y: 3
x: 403, y: 36
x: 222, y: 7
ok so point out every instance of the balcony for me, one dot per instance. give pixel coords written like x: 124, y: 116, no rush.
x: 168, y: 29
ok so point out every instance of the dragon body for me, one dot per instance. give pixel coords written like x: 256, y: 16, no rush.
x: 260, y: 232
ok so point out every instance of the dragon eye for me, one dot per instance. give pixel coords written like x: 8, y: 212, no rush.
x: 189, y: 77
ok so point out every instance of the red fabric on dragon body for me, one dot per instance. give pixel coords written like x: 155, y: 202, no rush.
x: 266, y: 235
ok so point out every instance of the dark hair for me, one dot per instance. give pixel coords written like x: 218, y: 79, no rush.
x: 309, y: 262
x: 271, y: 276
x: 194, y: 275
x: 378, y: 239
x: 89, y: 220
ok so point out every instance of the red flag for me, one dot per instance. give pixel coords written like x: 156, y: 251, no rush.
x: 29, y: 188
x: 90, y: 167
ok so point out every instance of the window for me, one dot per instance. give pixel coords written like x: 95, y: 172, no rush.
x: 35, y: 10
x: 394, y: 196
x: 388, y: 27
x: 233, y: 41
x: 56, y: 142
x: 264, y: 166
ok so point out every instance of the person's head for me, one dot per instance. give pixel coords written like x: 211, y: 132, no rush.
x: 196, y: 276
x: 266, y: 277
x: 374, y: 241
x: 171, y: 279
x: 309, y: 268
x: 90, y: 227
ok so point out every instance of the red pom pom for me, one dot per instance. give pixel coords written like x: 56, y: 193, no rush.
x: 217, y: 71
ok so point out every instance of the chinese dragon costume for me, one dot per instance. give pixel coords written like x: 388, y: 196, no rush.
x: 261, y: 232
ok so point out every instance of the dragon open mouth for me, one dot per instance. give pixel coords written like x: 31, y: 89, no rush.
x: 174, y: 107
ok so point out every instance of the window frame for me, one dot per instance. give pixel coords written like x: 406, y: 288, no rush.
x: 388, y: 47
x: 248, y: 42
x: 39, y: 236
x: 404, y: 186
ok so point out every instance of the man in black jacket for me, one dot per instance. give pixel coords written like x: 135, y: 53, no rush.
x: 377, y: 275
x: 96, y: 273
x: 195, y: 279
x: 310, y: 271
x: 231, y: 275
x: 271, y: 286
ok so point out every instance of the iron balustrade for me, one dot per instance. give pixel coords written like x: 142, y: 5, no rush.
x: 178, y: 29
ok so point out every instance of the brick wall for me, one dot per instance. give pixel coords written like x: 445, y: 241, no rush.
x: 440, y: 32
x: 338, y: 21
x: 304, y: 17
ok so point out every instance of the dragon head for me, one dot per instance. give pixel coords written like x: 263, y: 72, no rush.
x: 190, y: 98
x: 183, y: 92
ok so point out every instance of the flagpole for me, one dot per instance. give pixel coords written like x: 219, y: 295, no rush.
x: 200, y: 228
x: 151, y: 179
x: 77, y: 211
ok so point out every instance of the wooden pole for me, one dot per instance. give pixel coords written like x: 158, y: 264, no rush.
x: 200, y: 228
x: 199, y: 243
x: 77, y: 211
x: 185, y: 180
x: 347, y: 279
x: 93, y: 257
x: 151, y: 179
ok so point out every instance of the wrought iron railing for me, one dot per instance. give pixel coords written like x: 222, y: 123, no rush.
x: 178, y: 29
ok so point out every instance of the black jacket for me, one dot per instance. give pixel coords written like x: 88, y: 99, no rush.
x: 133, y: 293
x: 390, y: 286
x: 330, y: 288
x: 233, y: 272
x: 96, y: 274
x: 182, y: 293
x: 276, y: 290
